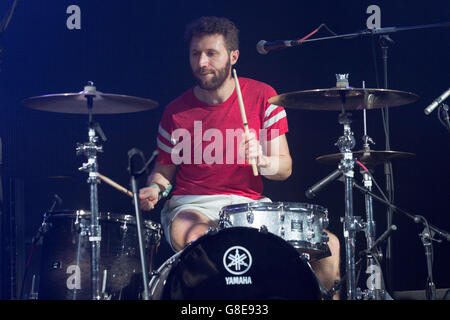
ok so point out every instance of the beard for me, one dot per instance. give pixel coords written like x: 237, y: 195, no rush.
x: 216, y: 81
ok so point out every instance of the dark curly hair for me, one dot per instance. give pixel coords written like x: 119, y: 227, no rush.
x: 214, y: 25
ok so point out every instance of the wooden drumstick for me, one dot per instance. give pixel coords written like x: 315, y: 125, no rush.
x: 120, y: 188
x: 244, y: 117
x: 115, y: 185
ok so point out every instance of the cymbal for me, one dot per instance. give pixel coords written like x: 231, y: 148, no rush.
x: 369, y: 158
x: 355, y: 99
x: 76, y: 103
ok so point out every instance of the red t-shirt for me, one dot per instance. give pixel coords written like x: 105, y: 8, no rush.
x: 202, y: 140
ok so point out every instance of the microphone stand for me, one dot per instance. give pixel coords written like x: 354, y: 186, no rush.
x: 378, y: 31
x: 135, y: 173
x: 426, y: 237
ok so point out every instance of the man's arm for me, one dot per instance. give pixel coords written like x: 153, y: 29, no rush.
x: 158, y: 181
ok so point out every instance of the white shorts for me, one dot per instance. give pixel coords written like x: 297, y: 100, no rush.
x: 209, y: 205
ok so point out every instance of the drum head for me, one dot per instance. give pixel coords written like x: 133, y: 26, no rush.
x: 240, y: 263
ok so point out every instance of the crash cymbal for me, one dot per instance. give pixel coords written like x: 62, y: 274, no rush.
x: 354, y: 98
x: 369, y: 158
x: 76, y: 103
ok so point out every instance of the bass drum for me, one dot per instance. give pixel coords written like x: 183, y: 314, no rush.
x: 237, y: 263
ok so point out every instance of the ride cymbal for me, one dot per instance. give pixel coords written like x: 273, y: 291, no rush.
x: 333, y: 99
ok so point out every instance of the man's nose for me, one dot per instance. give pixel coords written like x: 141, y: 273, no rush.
x: 203, y: 60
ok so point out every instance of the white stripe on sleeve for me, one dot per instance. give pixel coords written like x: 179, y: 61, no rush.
x: 274, y: 119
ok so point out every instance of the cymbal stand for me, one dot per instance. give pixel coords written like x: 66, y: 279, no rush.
x: 373, y: 282
x: 351, y: 223
x: 90, y: 150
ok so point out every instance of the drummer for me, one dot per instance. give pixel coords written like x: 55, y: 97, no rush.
x: 203, y: 147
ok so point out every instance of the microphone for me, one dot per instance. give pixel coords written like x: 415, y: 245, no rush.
x: 312, y: 192
x: 437, y: 102
x: 263, y: 47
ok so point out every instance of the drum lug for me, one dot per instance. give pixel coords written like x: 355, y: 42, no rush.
x: 325, y: 222
x: 282, y: 233
x: 263, y: 229
x: 325, y: 237
x: 211, y: 230
x: 155, y: 273
x: 310, y: 219
x: 224, y: 220
x: 250, y: 217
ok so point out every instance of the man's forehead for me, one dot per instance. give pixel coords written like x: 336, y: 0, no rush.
x: 208, y: 41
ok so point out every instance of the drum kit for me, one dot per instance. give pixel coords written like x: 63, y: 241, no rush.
x: 259, y: 251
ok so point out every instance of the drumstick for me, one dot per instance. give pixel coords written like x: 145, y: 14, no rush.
x: 115, y: 185
x: 119, y: 187
x: 244, y: 117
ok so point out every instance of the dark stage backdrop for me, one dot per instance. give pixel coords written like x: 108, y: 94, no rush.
x: 136, y: 48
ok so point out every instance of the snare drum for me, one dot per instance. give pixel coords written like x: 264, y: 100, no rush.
x: 300, y: 224
x: 236, y: 264
x: 66, y: 256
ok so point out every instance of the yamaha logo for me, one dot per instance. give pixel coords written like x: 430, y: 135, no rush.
x: 237, y: 260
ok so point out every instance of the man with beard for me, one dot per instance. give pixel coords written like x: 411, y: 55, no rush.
x: 196, y: 144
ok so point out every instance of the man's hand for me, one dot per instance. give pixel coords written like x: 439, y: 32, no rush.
x: 148, y: 198
x: 251, y: 150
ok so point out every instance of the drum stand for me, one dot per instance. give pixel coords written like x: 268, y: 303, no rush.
x: 90, y: 150
x: 351, y: 223
x: 374, y: 290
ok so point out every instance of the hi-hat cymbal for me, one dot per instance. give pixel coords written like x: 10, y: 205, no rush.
x: 76, y: 103
x: 353, y: 99
x: 369, y: 158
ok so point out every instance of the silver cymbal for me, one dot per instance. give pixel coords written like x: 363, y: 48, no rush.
x: 352, y: 98
x: 370, y: 158
x: 76, y: 103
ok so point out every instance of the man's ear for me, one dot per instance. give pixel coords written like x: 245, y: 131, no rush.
x: 234, y: 56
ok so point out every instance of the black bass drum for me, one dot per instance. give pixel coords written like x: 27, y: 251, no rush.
x: 236, y: 263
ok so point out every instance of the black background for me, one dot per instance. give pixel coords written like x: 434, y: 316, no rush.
x: 136, y: 48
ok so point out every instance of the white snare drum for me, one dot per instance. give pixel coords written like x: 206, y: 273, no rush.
x: 300, y: 224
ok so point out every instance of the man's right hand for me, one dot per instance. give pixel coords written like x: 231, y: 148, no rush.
x: 148, y: 198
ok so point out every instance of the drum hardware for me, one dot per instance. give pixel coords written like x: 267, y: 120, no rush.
x: 427, y: 236
x: 83, y: 103
x: 105, y: 296
x: 343, y: 98
x: 263, y: 229
x: 33, y: 295
x: 443, y: 115
x: 345, y: 144
x: 43, y: 228
x: 90, y: 150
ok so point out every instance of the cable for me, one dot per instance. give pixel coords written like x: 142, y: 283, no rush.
x: 315, y: 31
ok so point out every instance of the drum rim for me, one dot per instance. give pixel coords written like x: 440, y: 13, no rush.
x: 256, y: 205
x: 106, y: 216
